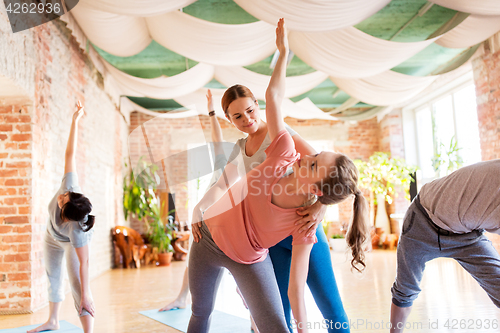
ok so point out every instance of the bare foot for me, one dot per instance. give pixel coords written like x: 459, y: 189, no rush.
x: 48, y: 326
x: 177, y: 304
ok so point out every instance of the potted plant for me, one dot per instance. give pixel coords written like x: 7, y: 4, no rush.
x: 141, y: 201
x: 338, y: 243
x: 139, y: 192
x: 381, y: 175
x: 160, y: 235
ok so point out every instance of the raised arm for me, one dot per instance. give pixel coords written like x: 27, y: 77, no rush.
x: 214, y: 124
x: 276, y: 90
x: 296, y: 287
x: 70, y: 161
x: 302, y: 147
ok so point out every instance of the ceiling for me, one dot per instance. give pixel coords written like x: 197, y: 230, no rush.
x: 399, y: 21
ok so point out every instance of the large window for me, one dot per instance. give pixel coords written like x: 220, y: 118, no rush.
x: 447, y: 134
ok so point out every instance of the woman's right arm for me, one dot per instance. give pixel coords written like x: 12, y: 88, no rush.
x: 276, y: 90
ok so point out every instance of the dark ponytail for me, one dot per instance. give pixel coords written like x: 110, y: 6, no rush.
x: 77, y: 209
x: 90, y: 223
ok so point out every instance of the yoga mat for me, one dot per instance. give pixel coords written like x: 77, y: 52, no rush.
x: 179, y: 319
x: 65, y: 327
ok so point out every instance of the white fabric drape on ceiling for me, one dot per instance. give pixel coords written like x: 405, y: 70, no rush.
x: 127, y: 106
x: 119, y: 35
x: 350, y: 53
x: 387, y: 88
x: 373, y: 112
x: 479, y: 7
x: 257, y: 83
x: 346, y: 105
x: 163, y: 87
x: 197, y: 100
x: 473, y: 30
x: 322, y: 36
x: 313, y: 15
x: 304, y: 109
x: 136, y: 8
x: 213, y: 43
x: 198, y: 76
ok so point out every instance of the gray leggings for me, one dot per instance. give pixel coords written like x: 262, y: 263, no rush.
x: 256, y: 282
x: 53, y: 253
x: 422, y: 240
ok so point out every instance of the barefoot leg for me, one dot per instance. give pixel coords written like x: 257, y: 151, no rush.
x: 87, y: 323
x: 53, y: 322
x: 181, y: 301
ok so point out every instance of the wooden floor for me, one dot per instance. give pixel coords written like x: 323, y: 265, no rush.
x: 448, y: 293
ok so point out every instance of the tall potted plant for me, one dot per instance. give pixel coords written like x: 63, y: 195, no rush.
x: 139, y: 192
x: 141, y: 201
x: 160, y: 235
x: 381, y: 175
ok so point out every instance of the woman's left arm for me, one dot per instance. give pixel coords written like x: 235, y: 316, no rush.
x: 296, y: 287
x: 69, y: 156
x: 86, y: 301
x: 311, y: 215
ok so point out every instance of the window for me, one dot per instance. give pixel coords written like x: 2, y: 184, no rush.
x: 447, y: 134
x: 467, y: 126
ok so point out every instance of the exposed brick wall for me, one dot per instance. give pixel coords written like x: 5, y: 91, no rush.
x: 486, y: 70
x: 15, y: 212
x: 51, y: 70
x: 363, y: 141
x: 487, y: 80
x: 391, y: 134
x: 392, y: 142
x: 356, y: 139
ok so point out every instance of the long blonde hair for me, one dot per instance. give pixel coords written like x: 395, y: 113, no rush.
x: 341, y: 183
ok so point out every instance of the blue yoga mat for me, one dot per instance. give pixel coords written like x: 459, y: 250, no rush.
x: 179, y: 319
x: 65, y: 327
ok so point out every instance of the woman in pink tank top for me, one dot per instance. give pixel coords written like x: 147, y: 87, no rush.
x: 238, y: 220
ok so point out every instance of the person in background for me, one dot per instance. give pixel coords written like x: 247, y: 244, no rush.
x: 447, y: 219
x: 68, y: 237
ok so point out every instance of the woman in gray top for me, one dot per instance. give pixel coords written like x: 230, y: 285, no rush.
x: 68, y: 236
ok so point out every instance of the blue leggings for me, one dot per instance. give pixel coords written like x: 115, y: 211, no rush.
x: 320, y: 280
